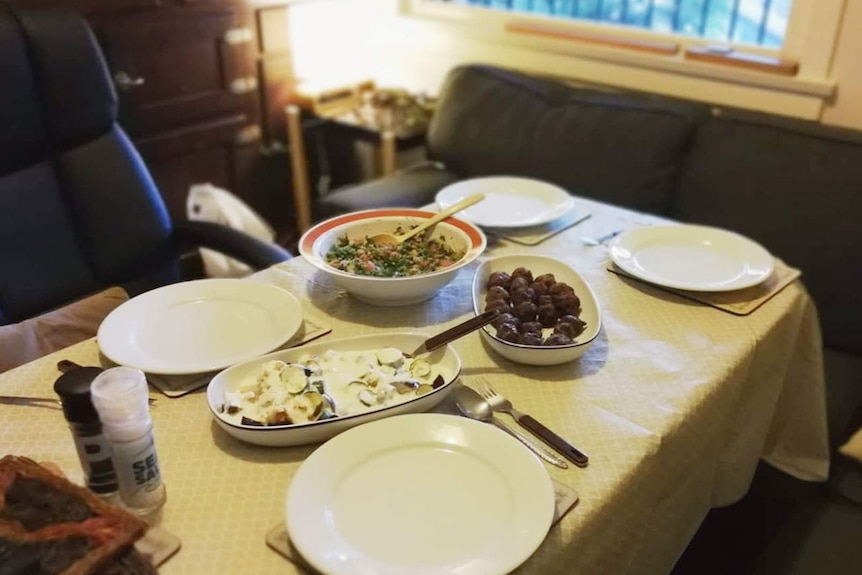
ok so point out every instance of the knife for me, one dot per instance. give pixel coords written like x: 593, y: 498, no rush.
x: 454, y: 333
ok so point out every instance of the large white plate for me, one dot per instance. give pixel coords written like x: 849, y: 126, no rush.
x: 509, y: 202
x: 419, y: 494
x: 199, y: 326
x: 695, y: 258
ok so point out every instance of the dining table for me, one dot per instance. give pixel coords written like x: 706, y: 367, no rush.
x: 675, y: 402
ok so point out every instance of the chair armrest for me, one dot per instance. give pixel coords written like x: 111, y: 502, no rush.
x: 237, y: 244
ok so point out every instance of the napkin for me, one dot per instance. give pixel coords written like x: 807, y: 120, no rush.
x: 738, y: 302
x: 565, y: 498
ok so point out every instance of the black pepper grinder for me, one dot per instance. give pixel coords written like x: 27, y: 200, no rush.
x: 93, y: 448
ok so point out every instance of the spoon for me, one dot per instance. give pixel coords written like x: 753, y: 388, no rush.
x: 393, y: 240
x: 474, y: 406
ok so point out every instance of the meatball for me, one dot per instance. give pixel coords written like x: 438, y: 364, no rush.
x: 571, y: 328
x: 557, y: 339
x: 546, y: 279
x: 519, y: 283
x: 505, y: 317
x: 508, y: 332
x: 501, y: 279
x: 547, y: 314
x: 544, y: 299
x: 500, y: 305
x: 526, y: 311
x: 498, y: 292
x: 522, y: 295
x: 539, y: 288
x: 530, y: 339
x: 568, y: 304
x: 523, y: 273
x: 531, y: 327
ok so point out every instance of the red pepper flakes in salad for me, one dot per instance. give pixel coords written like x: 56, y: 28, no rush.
x: 415, y: 256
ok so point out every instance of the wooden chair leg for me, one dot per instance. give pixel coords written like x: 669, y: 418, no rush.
x: 387, y: 152
x: 299, y: 169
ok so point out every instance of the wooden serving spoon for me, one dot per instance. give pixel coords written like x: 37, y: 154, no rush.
x: 393, y: 240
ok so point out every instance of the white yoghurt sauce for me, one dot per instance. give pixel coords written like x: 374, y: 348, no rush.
x: 356, y: 381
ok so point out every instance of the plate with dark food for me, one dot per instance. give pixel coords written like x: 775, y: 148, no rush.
x: 50, y: 526
x: 548, y: 312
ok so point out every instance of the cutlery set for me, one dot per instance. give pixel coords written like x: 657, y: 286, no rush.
x: 482, y: 404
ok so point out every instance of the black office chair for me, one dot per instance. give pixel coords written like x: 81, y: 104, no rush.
x: 78, y: 209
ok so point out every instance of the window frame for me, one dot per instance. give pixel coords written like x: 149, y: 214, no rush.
x: 811, y: 41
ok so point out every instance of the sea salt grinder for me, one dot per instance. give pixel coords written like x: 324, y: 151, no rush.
x: 122, y: 401
x: 94, y: 450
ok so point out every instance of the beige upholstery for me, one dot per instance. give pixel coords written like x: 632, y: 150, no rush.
x: 55, y: 330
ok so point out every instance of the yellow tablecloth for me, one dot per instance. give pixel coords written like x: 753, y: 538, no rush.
x: 675, y: 403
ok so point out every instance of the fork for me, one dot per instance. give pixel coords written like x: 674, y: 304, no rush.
x: 601, y: 239
x: 566, y: 449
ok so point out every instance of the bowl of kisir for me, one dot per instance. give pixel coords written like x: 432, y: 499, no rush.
x: 382, y: 274
x: 311, y: 393
x: 549, y: 314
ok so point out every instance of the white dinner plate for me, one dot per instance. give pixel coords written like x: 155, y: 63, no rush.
x: 419, y: 494
x: 199, y: 326
x: 509, y: 202
x: 695, y: 258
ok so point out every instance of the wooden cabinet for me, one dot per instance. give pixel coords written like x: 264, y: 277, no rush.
x: 186, y: 73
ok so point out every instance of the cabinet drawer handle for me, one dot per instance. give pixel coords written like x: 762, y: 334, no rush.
x: 124, y: 82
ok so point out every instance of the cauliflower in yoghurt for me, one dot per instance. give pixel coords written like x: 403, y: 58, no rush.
x: 331, y: 384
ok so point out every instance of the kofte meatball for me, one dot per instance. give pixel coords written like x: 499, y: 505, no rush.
x: 557, y: 339
x: 544, y: 299
x: 501, y: 279
x: 568, y: 304
x: 506, y: 317
x: 501, y: 306
x: 547, y: 279
x: 498, y: 292
x: 508, y: 332
x: 523, y: 273
x: 530, y: 339
x: 526, y: 311
x: 572, y: 328
x: 522, y: 295
x: 547, y: 314
x: 539, y: 289
x: 519, y: 283
x: 531, y: 327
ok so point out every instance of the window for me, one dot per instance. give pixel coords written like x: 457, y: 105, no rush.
x: 755, y: 22
x: 770, y: 55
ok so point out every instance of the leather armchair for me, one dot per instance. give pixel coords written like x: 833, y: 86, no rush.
x: 79, y: 210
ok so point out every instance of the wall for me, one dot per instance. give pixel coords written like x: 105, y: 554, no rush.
x: 343, y: 39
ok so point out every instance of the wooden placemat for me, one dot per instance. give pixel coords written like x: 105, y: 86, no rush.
x: 737, y: 302
x: 565, y: 498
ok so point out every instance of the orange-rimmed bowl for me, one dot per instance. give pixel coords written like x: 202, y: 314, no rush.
x: 390, y: 291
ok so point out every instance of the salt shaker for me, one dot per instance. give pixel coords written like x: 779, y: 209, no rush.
x: 121, y: 399
x: 94, y: 450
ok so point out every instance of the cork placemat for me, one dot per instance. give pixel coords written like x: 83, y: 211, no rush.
x: 738, y: 302
x: 277, y: 538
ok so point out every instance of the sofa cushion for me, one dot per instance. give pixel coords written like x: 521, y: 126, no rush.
x: 413, y: 187
x: 623, y: 150
x: 795, y: 187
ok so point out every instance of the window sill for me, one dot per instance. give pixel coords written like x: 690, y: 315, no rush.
x: 632, y: 60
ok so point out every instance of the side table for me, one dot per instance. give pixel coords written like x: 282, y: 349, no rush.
x: 388, y: 141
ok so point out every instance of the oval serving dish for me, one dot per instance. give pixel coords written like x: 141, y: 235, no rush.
x: 444, y: 361
x: 538, y: 265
